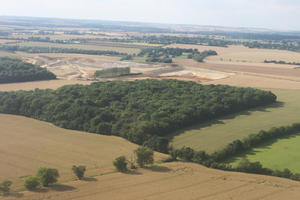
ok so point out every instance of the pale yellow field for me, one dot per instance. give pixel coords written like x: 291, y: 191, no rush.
x: 172, y: 181
x: 27, y: 144
x: 243, y: 54
x: 52, y: 84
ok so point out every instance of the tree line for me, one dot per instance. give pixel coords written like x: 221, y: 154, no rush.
x: 165, y: 55
x: 112, y: 72
x: 282, y: 45
x: 167, y: 39
x: 142, y: 111
x: 15, y: 70
x: 238, y: 147
x: 34, y: 49
x: 281, y: 62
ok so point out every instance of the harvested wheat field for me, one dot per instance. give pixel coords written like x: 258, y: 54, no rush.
x: 267, y: 71
x: 27, y: 144
x: 243, y: 54
x: 256, y: 81
x: 173, y: 181
x: 51, y: 84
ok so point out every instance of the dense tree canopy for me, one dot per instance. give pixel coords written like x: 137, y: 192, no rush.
x: 14, y: 70
x: 138, y: 110
x: 165, y: 55
x: 36, y: 49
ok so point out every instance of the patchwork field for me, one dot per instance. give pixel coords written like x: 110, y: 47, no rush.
x: 172, y: 181
x: 216, y: 134
x: 243, y: 54
x: 277, y: 155
x: 27, y: 144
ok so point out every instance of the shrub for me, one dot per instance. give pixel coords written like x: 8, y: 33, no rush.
x: 31, y: 182
x: 144, y: 156
x: 120, y: 163
x: 5, y: 187
x: 47, y: 176
x: 79, y: 171
x: 186, y: 153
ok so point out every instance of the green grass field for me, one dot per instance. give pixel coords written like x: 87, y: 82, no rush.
x: 99, y: 46
x: 281, y: 154
x: 216, y: 134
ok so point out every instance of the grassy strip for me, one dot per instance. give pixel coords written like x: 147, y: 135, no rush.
x: 216, y: 159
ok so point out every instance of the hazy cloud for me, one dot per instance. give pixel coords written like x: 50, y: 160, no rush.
x: 277, y: 14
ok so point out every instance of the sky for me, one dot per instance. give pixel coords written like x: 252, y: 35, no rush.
x: 274, y: 14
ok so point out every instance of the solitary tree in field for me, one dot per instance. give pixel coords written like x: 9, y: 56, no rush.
x: 144, y: 156
x: 31, y: 182
x: 47, y: 176
x: 5, y: 187
x: 79, y: 171
x: 120, y: 163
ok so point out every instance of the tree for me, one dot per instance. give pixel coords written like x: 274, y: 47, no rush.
x: 144, y: 156
x: 186, y: 153
x: 120, y: 163
x: 31, y: 182
x: 47, y: 176
x: 79, y: 171
x: 5, y: 187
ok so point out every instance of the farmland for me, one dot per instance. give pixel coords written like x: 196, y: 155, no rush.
x: 277, y: 155
x: 241, y: 54
x: 174, y: 180
x: 27, y: 144
x: 216, y: 134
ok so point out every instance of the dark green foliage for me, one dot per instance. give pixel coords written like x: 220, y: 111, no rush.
x: 166, y: 39
x: 79, y: 171
x: 14, y: 70
x: 186, y: 154
x: 158, y: 143
x: 162, y: 60
x: 34, y: 49
x: 165, y: 54
x: 126, y: 57
x: 144, y: 156
x: 31, y: 182
x: 281, y: 62
x: 237, y: 147
x: 136, y: 110
x: 252, y: 167
x: 47, y: 176
x: 112, y: 72
x: 120, y: 163
x: 282, y: 45
x: 254, y: 140
x: 201, y: 56
x: 5, y: 187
